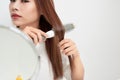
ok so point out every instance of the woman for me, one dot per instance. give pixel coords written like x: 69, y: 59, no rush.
x: 35, y: 17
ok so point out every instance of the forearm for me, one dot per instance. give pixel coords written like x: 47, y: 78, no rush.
x: 77, y: 70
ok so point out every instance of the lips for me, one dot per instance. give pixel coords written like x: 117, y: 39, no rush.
x: 15, y: 16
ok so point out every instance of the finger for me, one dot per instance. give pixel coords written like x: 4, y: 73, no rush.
x: 64, y: 41
x: 43, y: 34
x: 67, y: 50
x: 66, y: 45
x: 74, y: 51
x: 39, y: 31
x: 39, y: 36
x: 71, y: 53
x: 33, y: 36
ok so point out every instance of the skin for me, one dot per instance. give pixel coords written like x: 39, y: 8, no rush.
x: 68, y: 47
x: 29, y: 25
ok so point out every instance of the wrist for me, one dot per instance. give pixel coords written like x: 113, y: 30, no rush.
x: 76, y: 55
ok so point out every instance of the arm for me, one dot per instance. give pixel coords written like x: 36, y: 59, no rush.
x: 69, y: 48
x: 77, y: 70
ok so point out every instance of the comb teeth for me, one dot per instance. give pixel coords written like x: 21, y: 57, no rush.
x: 69, y: 27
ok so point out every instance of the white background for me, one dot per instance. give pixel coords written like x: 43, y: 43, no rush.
x: 97, y: 33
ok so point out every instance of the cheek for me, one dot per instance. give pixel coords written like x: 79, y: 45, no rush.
x: 31, y: 13
x: 33, y: 16
x: 10, y: 7
x: 35, y: 13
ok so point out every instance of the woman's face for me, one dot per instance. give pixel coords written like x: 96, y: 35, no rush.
x: 24, y: 13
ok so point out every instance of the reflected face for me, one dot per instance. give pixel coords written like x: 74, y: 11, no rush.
x: 24, y: 12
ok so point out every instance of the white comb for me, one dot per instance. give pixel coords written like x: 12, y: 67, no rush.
x: 68, y: 27
x: 50, y: 34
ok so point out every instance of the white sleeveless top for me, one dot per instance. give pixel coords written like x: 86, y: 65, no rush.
x: 44, y: 70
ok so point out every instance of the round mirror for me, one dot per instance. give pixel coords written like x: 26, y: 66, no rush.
x: 18, y: 56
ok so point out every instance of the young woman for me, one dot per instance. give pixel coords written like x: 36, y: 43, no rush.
x: 34, y: 18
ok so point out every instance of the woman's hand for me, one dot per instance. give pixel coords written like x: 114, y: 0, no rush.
x: 34, y: 33
x: 68, y: 47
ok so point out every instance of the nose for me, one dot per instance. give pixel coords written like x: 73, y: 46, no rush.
x: 15, y: 6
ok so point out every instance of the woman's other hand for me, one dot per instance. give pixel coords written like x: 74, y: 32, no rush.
x: 68, y: 47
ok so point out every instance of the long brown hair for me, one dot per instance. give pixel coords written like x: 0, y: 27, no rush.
x: 50, y: 20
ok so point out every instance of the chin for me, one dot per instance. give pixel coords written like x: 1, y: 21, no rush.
x: 17, y: 23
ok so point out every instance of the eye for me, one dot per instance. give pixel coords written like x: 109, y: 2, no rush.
x: 25, y: 1
x: 12, y: 0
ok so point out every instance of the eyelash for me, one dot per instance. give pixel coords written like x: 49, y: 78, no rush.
x: 25, y: 0
x: 21, y: 1
x: 12, y: 0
